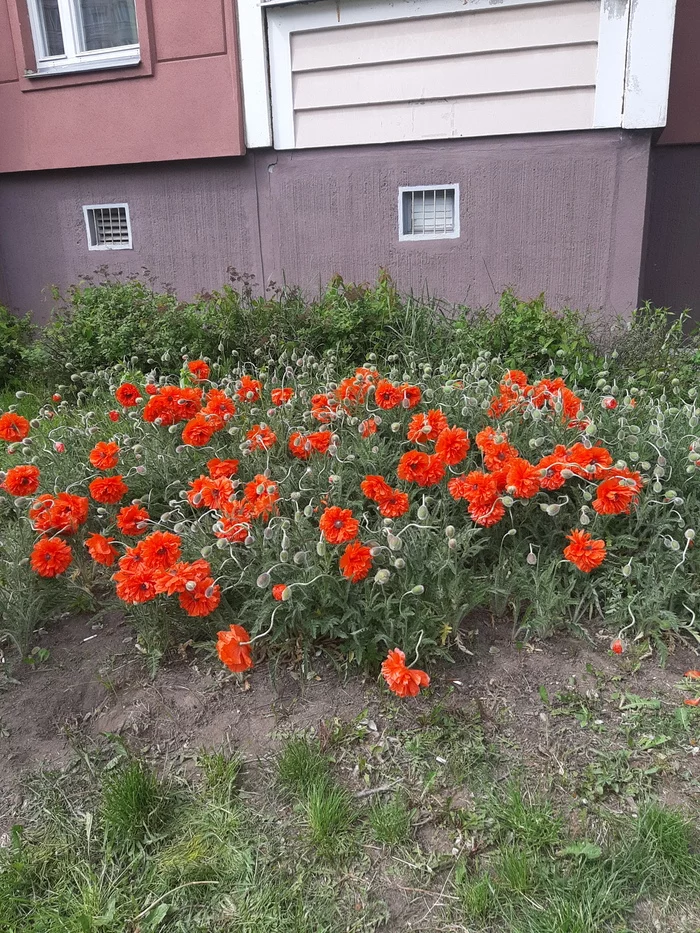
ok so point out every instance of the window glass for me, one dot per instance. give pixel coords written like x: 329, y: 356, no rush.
x: 51, y: 25
x: 107, y: 24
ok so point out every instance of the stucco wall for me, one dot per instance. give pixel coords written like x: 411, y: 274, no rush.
x: 672, y: 268
x: 563, y: 213
x: 182, y: 102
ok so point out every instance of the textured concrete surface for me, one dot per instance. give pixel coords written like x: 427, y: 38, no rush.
x: 672, y: 267
x: 559, y: 213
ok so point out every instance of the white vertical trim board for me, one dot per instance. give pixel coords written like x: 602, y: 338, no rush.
x: 253, y: 58
x: 612, y: 62
x: 649, y: 51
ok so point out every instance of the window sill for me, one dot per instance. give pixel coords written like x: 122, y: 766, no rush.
x: 127, y: 61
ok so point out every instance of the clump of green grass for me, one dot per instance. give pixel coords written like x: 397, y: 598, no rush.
x: 391, y: 821
x: 302, y: 766
x: 329, y: 815
x: 529, y: 823
x: 658, y: 850
x: 134, y: 804
x: 221, y: 774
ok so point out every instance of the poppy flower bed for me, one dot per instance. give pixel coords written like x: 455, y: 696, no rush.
x: 367, y: 511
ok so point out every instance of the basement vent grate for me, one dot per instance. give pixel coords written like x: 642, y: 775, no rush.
x: 108, y: 226
x: 429, y: 213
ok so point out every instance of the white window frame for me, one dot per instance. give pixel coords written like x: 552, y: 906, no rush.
x: 103, y: 246
x: 74, y: 59
x: 445, y: 235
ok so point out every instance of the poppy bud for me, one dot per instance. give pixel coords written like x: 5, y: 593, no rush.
x: 423, y: 512
x: 59, y: 447
x: 452, y: 543
x: 395, y: 543
x: 617, y: 647
x: 321, y: 548
x: 308, y: 511
x: 249, y: 540
x: 450, y: 531
x: 531, y: 558
x: 399, y: 563
x: 263, y: 580
x: 507, y: 501
x: 190, y: 586
x: 382, y: 576
x: 689, y: 534
x: 418, y: 590
x: 627, y: 569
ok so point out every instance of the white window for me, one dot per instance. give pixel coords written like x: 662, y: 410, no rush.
x: 108, y: 226
x: 427, y: 213
x: 83, y: 35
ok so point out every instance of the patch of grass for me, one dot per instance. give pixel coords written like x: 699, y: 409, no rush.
x: 529, y: 823
x: 302, y: 766
x: 221, y: 774
x: 329, y: 815
x: 134, y: 804
x: 657, y: 851
x: 391, y: 821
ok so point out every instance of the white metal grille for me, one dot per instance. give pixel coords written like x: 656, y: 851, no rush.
x: 428, y: 213
x: 108, y: 226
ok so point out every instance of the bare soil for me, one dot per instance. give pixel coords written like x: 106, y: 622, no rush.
x: 95, y: 682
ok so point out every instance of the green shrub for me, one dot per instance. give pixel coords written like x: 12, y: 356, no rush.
x: 15, y: 339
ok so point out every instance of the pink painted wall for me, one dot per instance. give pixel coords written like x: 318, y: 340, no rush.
x: 683, y: 123
x: 182, y: 102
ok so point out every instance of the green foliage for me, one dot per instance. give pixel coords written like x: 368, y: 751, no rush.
x: 329, y: 815
x: 302, y: 766
x: 16, y: 335
x: 134, y: 804
x: 391, y: 821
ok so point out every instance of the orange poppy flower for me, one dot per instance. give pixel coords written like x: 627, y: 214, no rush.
x: 132, y: 520
x: 218, y: 403
x: 113, y: 415
x: 235, y: 526
x: 282, y: 396
x: 199, y: 369
x: 261, y: 437
x: 356, y: 561
x: 51, y: 557
x: 320, y: 441
x: 585, y: 551
x: 199, y: 430
x: 278, y: 591
x: 412, y: 466
x: 427, y: 426
x: 616, y: 495
x: 137, y: 584
x: 127, y: 394
x: 487, y: 514
x: 105, y: 455
x: 338, y: 525
x: 522, y: 478
x: 617, y: 647
x: 175, y: 578
x: 387, y: 395
x: 13, y: 427
x: 495, y: 448
x: 214, y: 493
x: 262, y: 494
x: 401, y: 680
x: 411, y: 395
x: 368, y: 427
x: 101, y: 549
x: 692, y: 675
x: 219, y: 469
x: 161, y: 549
x: 63, y: 513
x: 22, y: 480
x: 452, y: 445
x: 233, y: 649
x: 552, y: 465
x: 323, y: 408
x: 151, y: 388
x: 108, y: 489
x: 692, y: 702
x: 202, y: 600
x: 394, y: 504
x: 375, y: 487
x: 249, y: 389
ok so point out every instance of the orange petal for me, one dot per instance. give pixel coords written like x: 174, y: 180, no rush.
x: 689, y: 702
x: 692, y: 675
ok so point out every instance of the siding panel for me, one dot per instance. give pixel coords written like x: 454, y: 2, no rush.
x: 491, y: 71
x: 452, y: 34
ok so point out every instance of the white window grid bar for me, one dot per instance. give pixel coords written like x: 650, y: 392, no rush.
x: 429, y: 212
x: 108, y: 226
x: 74, y: 57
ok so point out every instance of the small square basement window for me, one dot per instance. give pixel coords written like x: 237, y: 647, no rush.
x: 429, y: 213
x: 108, y: 226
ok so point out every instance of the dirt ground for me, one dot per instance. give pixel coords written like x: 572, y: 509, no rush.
x: 94, y: 682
